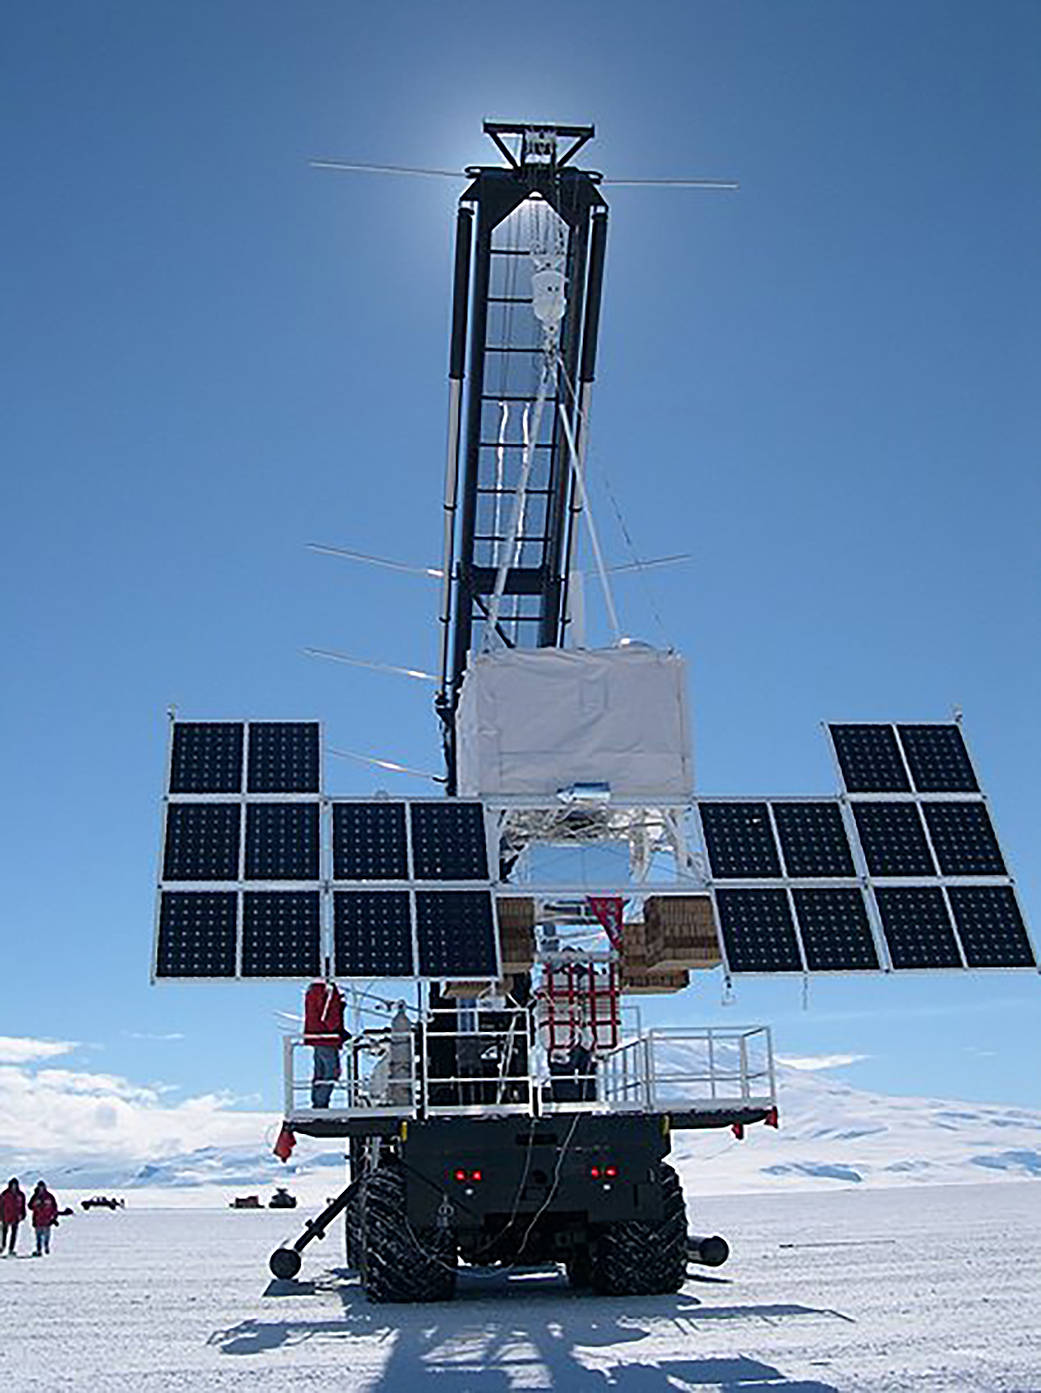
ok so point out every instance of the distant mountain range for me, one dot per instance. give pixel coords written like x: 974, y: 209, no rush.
x: 830, y: 1135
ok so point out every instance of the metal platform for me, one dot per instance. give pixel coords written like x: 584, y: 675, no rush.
x: 699, y: 1077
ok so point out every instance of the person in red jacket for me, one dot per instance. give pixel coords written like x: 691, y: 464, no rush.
x: 12, y: 1212
x: 45, y: 1215
x: 324, y: 1032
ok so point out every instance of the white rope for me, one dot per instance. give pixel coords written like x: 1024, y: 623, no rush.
x: 601, y: 569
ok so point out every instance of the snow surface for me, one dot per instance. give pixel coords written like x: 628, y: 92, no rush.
x: 858, y: 1291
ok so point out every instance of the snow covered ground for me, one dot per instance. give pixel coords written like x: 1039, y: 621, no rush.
x: 928, y: 1287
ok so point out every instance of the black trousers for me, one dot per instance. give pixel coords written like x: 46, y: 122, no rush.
x: 8, y: 1231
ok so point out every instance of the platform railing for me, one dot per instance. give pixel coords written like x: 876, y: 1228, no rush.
x: 498, y: 1067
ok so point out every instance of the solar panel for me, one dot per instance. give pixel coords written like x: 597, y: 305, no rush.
x: 282, y: 841
x: 990, y: 926
x: 758, y: 932
x: 813, y: 839
x: 281, y: 933
x: 963, y: 839
x: 869, y: 758
x: 917, y: 927
x: 369, y: 841
x: 206, y: 757
x: 449, y: 841
x: 196, y: 933
x: 456, y: 933
x: 283, y: 757
x: 836, y: 935
x: 202, y: 841
x: 739, y: 841
x: 937, y: 758
x: 373, y: 933
x: 893, y: 839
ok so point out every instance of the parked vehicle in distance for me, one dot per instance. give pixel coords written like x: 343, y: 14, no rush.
x: 245, y: 1202
x: 102, y: 1202
x: 282, y: 1199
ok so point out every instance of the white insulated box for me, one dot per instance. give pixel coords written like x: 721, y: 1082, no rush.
x: 537, y: 720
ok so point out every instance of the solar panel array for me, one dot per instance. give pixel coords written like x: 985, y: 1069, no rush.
x: 263, y: 876
x: 902, y: 871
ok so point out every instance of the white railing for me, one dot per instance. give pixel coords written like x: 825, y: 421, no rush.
x: 499, y: 1067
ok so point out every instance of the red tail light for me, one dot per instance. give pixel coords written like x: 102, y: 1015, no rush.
x: 459, y: 1175
x: 610, y: 1172
x: 594, y: 1171
x: 477, y: 1175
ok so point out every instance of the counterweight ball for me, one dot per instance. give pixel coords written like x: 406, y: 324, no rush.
x: 284, y: 1263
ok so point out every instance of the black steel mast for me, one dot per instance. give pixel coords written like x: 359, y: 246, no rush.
x: 493, y: 326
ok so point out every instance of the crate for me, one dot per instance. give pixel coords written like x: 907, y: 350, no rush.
x: 516, y: 913
x: 637, y: 983
x: 680, y: 932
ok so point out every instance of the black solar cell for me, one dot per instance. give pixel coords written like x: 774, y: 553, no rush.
x: 281, y: 932
x: 739, y: 841
x: 283, y: 757
x: 373, y: 933
x: 202, y: 841
x: 196, y: 933
x: 449, y: 841
x: 869, y: 758
x: 917, y: 926
x: 369, y: 841
x: 282, y: 841
x: 990, y: 926
x: 963, y: 839
x: 893, y: 839
x: 937, y: 758
x: 757, y: 931
x: 206, y: 757
x: 836, y: 935
x: 456, y: 933
x: 813, y: 839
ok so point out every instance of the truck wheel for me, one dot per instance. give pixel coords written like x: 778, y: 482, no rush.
x: 395, y: 1263
x: 351, y: 1226
x: 639, y: 1259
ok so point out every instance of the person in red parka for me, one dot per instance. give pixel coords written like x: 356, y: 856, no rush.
x: 324, y: 1032
x: 12, y: 1212
x: 45, y: 1215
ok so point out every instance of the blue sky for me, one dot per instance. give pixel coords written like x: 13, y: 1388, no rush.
x: 826, y: 387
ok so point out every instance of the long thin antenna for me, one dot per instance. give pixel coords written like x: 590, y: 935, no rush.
x: 671, y: 183
x: 389, y: 764
x: 386, y: 169
x: 434, y: 571
x: 368, y: 662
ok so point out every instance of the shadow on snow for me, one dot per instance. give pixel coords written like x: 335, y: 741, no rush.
x: 505, y: 1329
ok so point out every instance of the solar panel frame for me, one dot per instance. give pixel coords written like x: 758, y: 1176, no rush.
x: 270, y: 900
x: 432, y: 904
x: 179, y: 898
x: 183, y: 752
x: 387, y: 811
x: 893, y: 902
x: 948, y: 827
x: 423, y: 853
x: 748, y: 898
x: 960, y: 898
x: 179, y: 834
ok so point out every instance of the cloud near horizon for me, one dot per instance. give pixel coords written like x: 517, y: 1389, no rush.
x: 69, y: 1115
x: 22, y: 1049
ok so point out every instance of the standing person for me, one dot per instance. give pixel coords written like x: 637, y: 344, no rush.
x: 12, y: 1212
x: 324, y: 1032
x: 45, y: 1215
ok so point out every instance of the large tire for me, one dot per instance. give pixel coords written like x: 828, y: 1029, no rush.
x: 395, y: 1263
x: 639, y: 1259
x: 352, y: 1226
